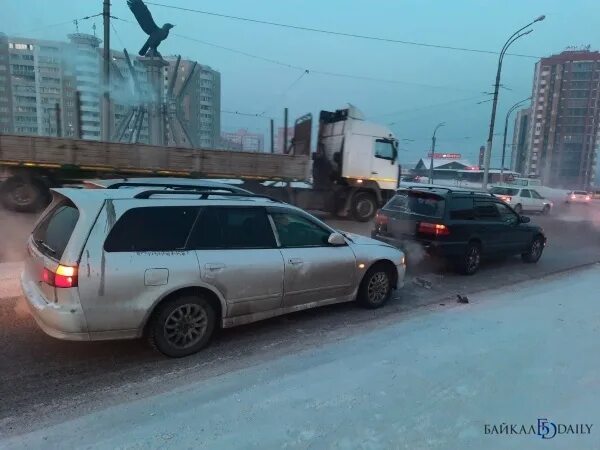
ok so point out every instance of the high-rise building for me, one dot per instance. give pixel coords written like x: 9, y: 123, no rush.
x: 520, y: 144
x: 247, y: 141
x: 36, y: 75
x: 199, y: 102
x: 564, y: 119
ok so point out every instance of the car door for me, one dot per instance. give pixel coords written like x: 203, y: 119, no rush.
x: 315, y: 271
x: 383, y: 167
x: 526, y: 200
x: 515, y: 237
x: 238, y: 256
x: 489, y: 226
x: 134, y: 254
x: 537, y: 200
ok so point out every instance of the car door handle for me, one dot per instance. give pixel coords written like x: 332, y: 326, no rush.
x: 295, y: 261
x: 213, y: 267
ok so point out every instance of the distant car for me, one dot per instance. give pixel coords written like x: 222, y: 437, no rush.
x: 458, y: 225
x: 596, y: 194
x: 174, y: 265
x: 578, y: 197
x: 522, y: 199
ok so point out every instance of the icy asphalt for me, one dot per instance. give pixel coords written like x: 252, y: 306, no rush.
x: 431, y: 381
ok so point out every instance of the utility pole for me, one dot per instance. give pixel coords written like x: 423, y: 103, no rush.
x: 510, y: 111
x: 285, y: 130
x: 78, y: 114
x: 439, y: 125
x: 106, y: 73
x: 488, y: 150
x: 272, y: 136
x: 57, y: 119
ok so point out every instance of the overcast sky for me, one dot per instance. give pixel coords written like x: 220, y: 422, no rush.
x: 429, y: 85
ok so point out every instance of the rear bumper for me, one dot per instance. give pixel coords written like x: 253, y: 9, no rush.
x: 431, y: 248
x: 61, y: 321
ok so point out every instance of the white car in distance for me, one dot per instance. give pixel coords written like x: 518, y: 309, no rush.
x: 523, y: 199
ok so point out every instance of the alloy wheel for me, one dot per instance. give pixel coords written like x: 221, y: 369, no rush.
x: 186, y: 325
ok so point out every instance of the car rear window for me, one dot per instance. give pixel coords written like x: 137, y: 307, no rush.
x: 152, y: 229
x: 52, y: 234
x: 416, y: 202
x: 581, y: 193
x: 504, y: 191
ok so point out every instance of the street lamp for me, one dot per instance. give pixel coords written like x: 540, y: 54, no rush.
x: 439, y: 125
x: 488, y: 150
x: 510, y: 111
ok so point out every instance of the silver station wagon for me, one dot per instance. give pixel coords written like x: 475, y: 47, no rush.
x: 172, y: 265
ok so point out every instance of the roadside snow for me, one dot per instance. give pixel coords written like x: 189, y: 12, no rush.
x: 431, y: 381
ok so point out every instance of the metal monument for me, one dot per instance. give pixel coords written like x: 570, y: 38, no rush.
x: 155, y: 33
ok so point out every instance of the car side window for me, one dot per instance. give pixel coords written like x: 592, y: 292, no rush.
x: 461, y: 208
x: 232, y: 228
x: 485, y: 210
x: 525, y: 193
x: 506, y: 214
x: 535, y: 194
x: 297, y: 231
x: 152, y: 229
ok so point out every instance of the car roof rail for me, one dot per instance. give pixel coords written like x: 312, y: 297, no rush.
x: 174, y: 186
x: 427, y: 187
x: 202, y: 194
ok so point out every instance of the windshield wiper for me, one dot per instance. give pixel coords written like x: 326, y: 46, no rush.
x: 46, y: 246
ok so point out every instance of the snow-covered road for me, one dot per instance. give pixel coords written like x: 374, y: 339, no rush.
x: 433, y: 380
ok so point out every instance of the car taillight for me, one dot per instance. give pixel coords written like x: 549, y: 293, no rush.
x: 437, y: 229
x: 381, y: 221
x: 505, y: 198
x: 64, y: 277
x: 573, y: 197
x: 587, y: 197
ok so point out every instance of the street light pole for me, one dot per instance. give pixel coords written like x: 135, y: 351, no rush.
x: 488, y: 150
x: 439, y: 125
x: 510, y: 111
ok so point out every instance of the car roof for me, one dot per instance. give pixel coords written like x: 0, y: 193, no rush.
x: 161, y: 182
x: 88, y: 196
x: 443, y: 191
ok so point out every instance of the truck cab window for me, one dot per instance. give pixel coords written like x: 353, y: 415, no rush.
x: 385, y: 149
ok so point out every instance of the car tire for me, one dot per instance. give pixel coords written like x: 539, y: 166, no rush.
x: 376, y: 287
x: 534, y: 253
x: 21, y: 194
x: 170, y: 329
x: 546, y: 210
x: 363, y: 206
x: 471, y: 260
x: 518, y: 208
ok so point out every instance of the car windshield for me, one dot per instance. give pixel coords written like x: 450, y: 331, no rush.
x: 416, y: 202
x: 504, y: 191
x: 210, y: 151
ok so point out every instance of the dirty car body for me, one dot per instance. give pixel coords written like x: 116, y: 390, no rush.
x: 101, y: 261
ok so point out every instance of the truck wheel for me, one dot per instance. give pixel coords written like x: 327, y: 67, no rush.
x: 24, y: 195
x: 364, y: 206
x: 182, y: 326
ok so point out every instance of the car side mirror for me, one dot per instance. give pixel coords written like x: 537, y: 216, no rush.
x: 336, y: 239
x: 524, y: 219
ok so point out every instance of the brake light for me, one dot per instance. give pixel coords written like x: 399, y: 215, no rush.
x: 505, y: 198
x: 436, y: 229
x: 64, y: 277
x: 381, y: 222
x: 587, y: 197
x: 573, y: 197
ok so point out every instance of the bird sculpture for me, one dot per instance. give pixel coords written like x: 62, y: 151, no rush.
x: 155, y: 34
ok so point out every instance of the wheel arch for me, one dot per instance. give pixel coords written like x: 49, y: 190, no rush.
x: 215, y: 299
x: 388, y: 264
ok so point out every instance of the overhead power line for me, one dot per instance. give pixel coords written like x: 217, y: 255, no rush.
x: 339, y: 33
x: 66, y: 22
x: 320, y: 72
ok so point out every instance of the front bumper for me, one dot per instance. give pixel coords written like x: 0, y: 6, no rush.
x: 61, y: 321
x: 401, y: 268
